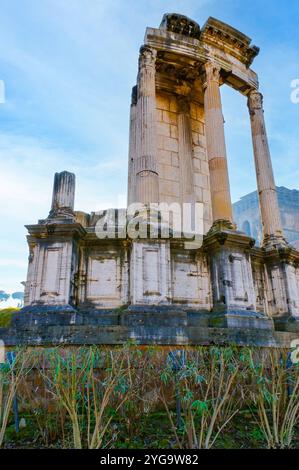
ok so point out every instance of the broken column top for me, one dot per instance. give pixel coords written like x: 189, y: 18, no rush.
x: 63, y: 198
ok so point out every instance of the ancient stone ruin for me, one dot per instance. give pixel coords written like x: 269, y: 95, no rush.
x: 216, y: 287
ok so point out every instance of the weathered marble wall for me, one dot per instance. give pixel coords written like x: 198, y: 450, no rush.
x: 169, y: 162
x: 50, y: 272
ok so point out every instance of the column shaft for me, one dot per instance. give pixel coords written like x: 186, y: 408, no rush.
x: 63, y: 194
x: 132, y: 148
x: 185, y: 151
x: 269, y: 208
x: 219, y: 180
x: 147, y: 181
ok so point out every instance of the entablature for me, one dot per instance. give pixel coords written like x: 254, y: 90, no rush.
x: 183, y: 54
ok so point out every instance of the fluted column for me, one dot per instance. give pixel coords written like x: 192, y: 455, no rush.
x: 147, y: 181
x: 185, y: 150
x: 132, y: 148
x: 269, y: 208
x: 63, y: 195
x: 219, y: 180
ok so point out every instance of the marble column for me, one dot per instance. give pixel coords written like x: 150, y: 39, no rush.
x: 185, y: 150
x: 214, y: 124
x: 63, y: 195
x: 147, y: 180
x: 270, y: 214
x: 132, y: 147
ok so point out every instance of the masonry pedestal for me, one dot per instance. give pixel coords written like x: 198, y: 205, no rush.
x: 53, y: 251
x: 234, y: 303
x: 52, y: 265
x: 282, y: 267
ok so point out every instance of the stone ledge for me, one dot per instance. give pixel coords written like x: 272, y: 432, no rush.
x: 155, y: 325
x: 234, y: 318
x: 144, y: 335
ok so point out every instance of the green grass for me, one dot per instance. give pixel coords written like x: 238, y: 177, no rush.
x: 6, y: 316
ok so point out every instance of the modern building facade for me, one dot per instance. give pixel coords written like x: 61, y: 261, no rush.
x: 247, y: 215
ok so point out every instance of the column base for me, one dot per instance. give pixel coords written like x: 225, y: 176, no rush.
x: 273, y: 242
x: 242, y: 319
x: 45, y: 315
x: 286, y: 323
x: 221, y: 225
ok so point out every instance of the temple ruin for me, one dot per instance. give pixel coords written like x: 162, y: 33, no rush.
x: 82, y: 288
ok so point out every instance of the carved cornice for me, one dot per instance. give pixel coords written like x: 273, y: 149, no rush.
x: 180, y: 24
x: 177, y: 71
x: 60, y: 230
x: 222, y: 233
x: 175, y: 48
x: 287, y: 254
x: 176, y: 75
x: 229, y: 39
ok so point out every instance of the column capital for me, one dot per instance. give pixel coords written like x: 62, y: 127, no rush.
x: 211, y: 73
x: 147, y: 57
x: 183, y: 104
x: 255, y: 100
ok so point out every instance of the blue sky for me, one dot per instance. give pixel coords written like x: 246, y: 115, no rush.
x: 68, y: 68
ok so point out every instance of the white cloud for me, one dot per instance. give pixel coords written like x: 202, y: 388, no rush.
x: 20, y: 263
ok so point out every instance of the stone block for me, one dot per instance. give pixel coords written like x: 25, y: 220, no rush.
x: 170, y: 144
x: 170, y: 118
x: 169, y: 172
x: 173, y: 106
x: 196, y: 164
x: 163, y: 129
x: 206, y: 196
x: 165, y: 157
x: 173, y: 131
x: 201, y: 181
x: 162, y: 102
x: 197, y: 126
x: 169, y: 188
x: 175, y: 159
